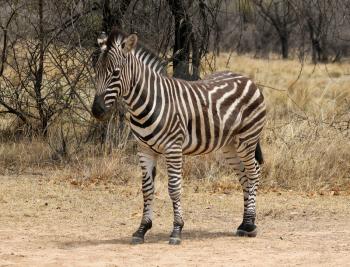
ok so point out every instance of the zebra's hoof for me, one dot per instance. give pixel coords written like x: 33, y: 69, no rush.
x: 136, y: 240
x: 139, y: 236
x: 247, y: 234
x: 248, y: 230
x: 175, y: 237
x: 174, y: 241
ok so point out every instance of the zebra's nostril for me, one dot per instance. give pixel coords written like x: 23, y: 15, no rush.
x: 98, y: 107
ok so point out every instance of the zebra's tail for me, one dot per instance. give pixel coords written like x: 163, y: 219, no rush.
x: 258, y: 154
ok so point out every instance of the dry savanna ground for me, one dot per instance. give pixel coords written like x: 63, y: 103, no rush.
x: 82, y: 211
x: 46, y: 222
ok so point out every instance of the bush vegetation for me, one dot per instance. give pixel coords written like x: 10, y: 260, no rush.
x: 296, y: 51
x: 305, y: 141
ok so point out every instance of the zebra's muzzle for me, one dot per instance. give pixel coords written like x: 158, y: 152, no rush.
x: 99, y: 109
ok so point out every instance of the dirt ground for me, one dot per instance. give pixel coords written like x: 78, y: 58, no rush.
x: 49, y: 223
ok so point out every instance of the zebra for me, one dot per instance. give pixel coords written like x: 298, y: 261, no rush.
x: 174, y: 117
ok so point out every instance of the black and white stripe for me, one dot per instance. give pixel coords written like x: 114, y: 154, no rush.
x: 174, y: 117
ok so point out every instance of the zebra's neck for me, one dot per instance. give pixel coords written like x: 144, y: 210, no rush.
x: 145, y: 54
x: 150, y: 59
x: 139, y: 82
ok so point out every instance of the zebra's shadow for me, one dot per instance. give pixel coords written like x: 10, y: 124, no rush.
x: 151, y: 238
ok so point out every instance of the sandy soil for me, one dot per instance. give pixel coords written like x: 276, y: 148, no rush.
x: 48, y: 223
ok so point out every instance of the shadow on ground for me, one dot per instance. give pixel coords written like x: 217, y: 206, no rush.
x: 150, y: 238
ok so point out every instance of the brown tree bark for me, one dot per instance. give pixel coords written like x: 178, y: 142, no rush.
x: 181, y: 49
x: 113, y: 17
x: 39, y: 70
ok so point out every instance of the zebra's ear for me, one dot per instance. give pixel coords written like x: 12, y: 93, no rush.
x: 102, y: 41
x: 129, y: 43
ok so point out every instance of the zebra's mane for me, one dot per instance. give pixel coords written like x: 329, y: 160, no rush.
x: 142, y: 51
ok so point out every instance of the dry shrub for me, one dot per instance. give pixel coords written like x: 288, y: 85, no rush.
x: 207, y: 167
x: 115, y: 168
x: 306, y: 157
x: 305, y: 142
x: 15, y: 157
x: 212, y: 171
x: 321, y: 89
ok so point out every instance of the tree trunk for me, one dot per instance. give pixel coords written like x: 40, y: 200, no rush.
x: 107, y: 17
x: 38, y: 74
x: 323, y: 50
x: 319, y: 53
x: 284, y: 46
x: 181, y: 49
x: 113, y: 17
x: 196, y: 59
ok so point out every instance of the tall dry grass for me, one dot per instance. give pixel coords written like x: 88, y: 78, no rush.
x: 305, y: 141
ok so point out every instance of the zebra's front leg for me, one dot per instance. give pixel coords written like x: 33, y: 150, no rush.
x: 174, y: 167
x: 147, y: 161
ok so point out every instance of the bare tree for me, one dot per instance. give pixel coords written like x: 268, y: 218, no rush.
x: 317, y: 17
x: 4, y: 28
x: 194, y: 22
x: 34, y: 85
x: 281, y: 15
x: 45, y: 45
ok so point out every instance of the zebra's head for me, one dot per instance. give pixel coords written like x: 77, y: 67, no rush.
x: 108, y: 69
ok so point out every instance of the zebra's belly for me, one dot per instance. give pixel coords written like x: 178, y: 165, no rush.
x: 160, y: 149
x: 194, y: 136
x: 193, y: 149
x: 158, y: 141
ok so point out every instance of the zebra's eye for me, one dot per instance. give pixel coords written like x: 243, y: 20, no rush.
x: 115, y: 73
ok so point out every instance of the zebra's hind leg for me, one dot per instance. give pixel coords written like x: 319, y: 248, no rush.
x: 147, y: 161
x: 174, y: 168
x: 247, y: 227
x: 250, y: 183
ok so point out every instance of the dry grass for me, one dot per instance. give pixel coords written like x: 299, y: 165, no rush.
x: 305, y: 142
x: 319, y: 90
x: 306, y: 139
x: 17, y: 157
x: 115, y: 168
x: 306, y: 157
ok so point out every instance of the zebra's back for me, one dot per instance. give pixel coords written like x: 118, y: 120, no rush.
x: 233, y: 107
